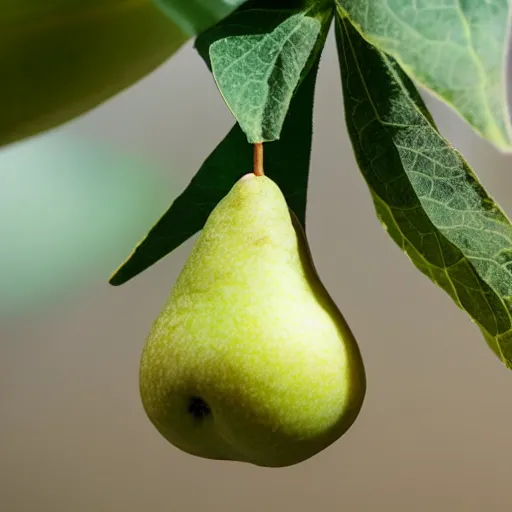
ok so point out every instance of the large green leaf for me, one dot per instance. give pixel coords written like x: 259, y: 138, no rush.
x: 425, y: 194
x: 60, y: 58
x: 286, y: 162
x: 260, y: 54
x: 455, y: 48
x: 194, y: 16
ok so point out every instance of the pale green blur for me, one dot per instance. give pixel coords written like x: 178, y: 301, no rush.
x: 70, y: 211
x: 195, y: 16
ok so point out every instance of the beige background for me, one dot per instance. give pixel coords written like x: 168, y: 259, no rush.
x: 434, y: 434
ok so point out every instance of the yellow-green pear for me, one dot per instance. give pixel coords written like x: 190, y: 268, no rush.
x: 250, y: 359
x: 61, y: 58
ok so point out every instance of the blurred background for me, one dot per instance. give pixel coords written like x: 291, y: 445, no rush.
x: 434, y: 432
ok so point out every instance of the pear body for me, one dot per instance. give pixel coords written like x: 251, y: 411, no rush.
x: 250, y: 359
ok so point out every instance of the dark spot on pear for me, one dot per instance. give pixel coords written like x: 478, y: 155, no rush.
x: 198, y: 408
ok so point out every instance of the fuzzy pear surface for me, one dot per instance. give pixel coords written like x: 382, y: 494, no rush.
x: 250, y: 359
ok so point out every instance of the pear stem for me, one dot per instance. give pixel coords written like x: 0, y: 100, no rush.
x: 258, y: 159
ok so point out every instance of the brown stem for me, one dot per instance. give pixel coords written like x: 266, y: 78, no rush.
x: 258, y: 159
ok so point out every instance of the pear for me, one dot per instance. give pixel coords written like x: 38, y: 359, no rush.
x: 250, y: 359
x: 63, y: 58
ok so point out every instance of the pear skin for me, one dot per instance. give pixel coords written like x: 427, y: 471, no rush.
x: 250, y: 359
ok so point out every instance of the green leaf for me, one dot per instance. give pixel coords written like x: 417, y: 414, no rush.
x: 61, y: 58
x: 455, y: 48
x: 195, y: 16
x: 286, y: 162
x: 425, y: 194
x: 258, y: 57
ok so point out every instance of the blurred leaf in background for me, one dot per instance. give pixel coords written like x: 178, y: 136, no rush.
x: 194, y: 16
x: 61, y: 58
x: 70, y: 210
